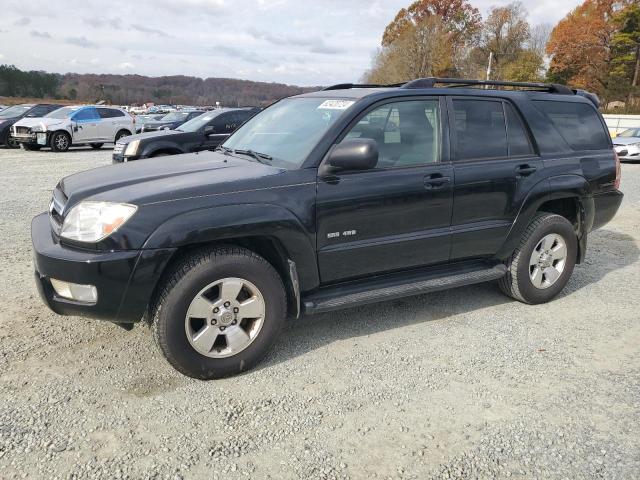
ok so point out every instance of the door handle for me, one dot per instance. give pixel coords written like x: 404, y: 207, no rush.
x: 525, y: 170
x: 435, y: 181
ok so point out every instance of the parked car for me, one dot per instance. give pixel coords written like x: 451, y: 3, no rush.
x: 204, y: 132
x: 142, y: 119
x: 169, y: 121
x: 79, y: 125
x: 627, y: 145
x: 11, y: 115
x: 314, y: 205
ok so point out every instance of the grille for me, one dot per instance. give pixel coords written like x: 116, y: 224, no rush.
x: 118, y: 148
x: 23, y: 130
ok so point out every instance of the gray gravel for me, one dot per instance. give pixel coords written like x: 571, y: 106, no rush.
x: 458, y: 384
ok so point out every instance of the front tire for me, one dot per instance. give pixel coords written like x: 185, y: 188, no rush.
x: 96, y: 146
x: 121, y: 134
x: 60, y: 141
x: 31, y: 148
x: 218, y: 312
x: 542, y: 264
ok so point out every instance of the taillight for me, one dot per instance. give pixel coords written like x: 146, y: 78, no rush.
x: 618, y: 171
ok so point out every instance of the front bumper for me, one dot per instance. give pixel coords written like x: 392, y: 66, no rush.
x: 39, y: 138
x: 125, y: 280
x: 628, y: 153
x: 119, y: 158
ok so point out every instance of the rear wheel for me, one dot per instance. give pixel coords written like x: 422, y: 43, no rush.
x: 542, y: 263
x: 218, y: 313
x: 60, y: 141
x: 96, y: 146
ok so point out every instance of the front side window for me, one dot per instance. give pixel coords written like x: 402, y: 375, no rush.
x: 86, y: 114
x: 480, y: 129
x: 407, y: 133
x: 289, y: 130
x: 577, y: 123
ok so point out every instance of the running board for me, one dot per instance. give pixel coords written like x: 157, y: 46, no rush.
x: 389, y: 288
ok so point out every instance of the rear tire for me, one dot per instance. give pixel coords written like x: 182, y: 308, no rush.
x: 96, y: 146
x: 542, y: 264
x: 60, y: 141
x: 208, y: 331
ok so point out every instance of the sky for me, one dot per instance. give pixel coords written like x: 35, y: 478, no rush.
x: 295, y: 42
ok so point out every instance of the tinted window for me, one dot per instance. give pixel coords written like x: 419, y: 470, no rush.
x: 407, y: 133
x: 578, y: 123
x: 86, y: 114
x: 110, y: 113
x: 480, y: 130
x: 38, y: 111
x: 518, y: 139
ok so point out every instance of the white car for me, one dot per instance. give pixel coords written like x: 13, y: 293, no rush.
x: 627, y: 145
x: 79, y: 125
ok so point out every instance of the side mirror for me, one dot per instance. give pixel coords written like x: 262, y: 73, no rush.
x: 353, y: 154
x: 209, y: 129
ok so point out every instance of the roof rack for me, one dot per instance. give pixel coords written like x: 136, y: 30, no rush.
x: 431, y: 82
x: 459, y: 82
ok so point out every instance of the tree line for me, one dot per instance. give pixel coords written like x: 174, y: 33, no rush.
x: 596, y: 46
x: 138, y: 89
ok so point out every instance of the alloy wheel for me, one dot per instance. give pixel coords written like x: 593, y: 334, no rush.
x: 547, y: 261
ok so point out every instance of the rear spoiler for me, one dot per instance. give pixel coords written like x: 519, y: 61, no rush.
x: 591, y: 96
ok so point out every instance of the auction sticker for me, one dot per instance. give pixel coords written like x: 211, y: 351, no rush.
x: 336, y: 104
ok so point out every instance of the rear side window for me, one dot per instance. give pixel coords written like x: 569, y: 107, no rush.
x: 110, y: 113
x: 519, y: 143
x: 480, y: 129
x: 577, y: 123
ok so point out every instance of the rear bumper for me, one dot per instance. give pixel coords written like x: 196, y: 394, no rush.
x: 125, y: 280
x: 606, y: 205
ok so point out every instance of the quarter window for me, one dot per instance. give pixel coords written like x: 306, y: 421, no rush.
x: 407, y: 133
x: 480, y: 129
x: 110, y: 113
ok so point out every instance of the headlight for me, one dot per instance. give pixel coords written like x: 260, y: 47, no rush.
x: 39, y: 128
x: 95, y: 221
x: 132, y: 148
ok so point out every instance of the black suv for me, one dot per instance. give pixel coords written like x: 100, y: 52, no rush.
x: 11, y: 115
x: 204, y: 132
x: 333, y: 199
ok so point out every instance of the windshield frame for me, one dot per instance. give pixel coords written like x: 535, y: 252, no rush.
x: 322, y: 144
x: 183, y: 115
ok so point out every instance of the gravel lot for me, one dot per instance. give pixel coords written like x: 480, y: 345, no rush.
x: 458, y: 384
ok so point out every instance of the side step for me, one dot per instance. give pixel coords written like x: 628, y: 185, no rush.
x: 353, y: 294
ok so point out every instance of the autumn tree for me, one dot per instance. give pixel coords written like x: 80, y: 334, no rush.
x: 423, y: 49
x: 624, y: 73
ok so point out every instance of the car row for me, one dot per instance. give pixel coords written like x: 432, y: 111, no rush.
x: 9, y: 116
x: 627, y: 145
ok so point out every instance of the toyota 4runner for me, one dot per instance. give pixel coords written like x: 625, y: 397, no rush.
x: 333, y: 199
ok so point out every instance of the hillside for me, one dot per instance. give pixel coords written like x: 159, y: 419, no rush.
x: 129, y: 89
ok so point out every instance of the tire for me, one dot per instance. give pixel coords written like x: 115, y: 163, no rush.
x: 176, y: 329
x: 121, y: 134
x: 96, y: 146
x: 31, y: 148
x: 161, y: 154
x: 538, y: 278
x: 60, y: 141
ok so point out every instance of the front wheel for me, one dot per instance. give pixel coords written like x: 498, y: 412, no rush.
x: 121, y: 134
x: 542, y: 263
x: 218, y: 312
x: 60, y: 142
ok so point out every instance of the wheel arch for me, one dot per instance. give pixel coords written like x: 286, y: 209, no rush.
x: 161, y: 147
x: 565, y: 195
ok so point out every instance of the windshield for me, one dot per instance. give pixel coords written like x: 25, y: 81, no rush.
x: 197, y: 123
x: 61, y: 112
x: 632, y: 132
x: 14, y: 111
x: 174, y: 116
x: 288, y: 130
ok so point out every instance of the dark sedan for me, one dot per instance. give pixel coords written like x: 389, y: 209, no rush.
x: 204, y: 132
x: 11, y: 115
x: 170, y: 121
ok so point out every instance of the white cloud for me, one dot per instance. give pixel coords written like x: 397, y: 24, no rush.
x: 125, y: 66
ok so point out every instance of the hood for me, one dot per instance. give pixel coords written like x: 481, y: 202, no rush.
x: 156, y: 125
x: 166, y: 178
x: 33, y: 121
x: 148, y: 135
x: 625, y: 140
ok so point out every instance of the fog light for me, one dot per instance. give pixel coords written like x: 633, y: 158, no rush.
x: 74, y: 291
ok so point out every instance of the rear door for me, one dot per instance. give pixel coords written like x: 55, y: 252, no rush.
x: 396, y: 216
x: 111, y: 121
x: 495, y: 166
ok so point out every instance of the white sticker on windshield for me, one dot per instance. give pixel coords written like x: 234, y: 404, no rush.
x: 336, y: 104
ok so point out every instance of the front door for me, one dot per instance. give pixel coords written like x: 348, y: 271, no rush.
x: 396, y: 216
x: 495, y: 165
x: 85, y: 125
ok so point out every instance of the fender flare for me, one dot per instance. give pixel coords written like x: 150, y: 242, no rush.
x: 232, y: 222
x: 162, y: 145
x: 570, y: 186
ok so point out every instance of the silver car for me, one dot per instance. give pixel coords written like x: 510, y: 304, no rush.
x: 627, y: 145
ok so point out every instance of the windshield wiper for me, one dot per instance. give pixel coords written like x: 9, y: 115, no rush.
x: 226, y: 150
x: 260, y: 157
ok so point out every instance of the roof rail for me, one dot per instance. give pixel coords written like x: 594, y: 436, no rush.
x: 431, y: 82
x: 347, y: 86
